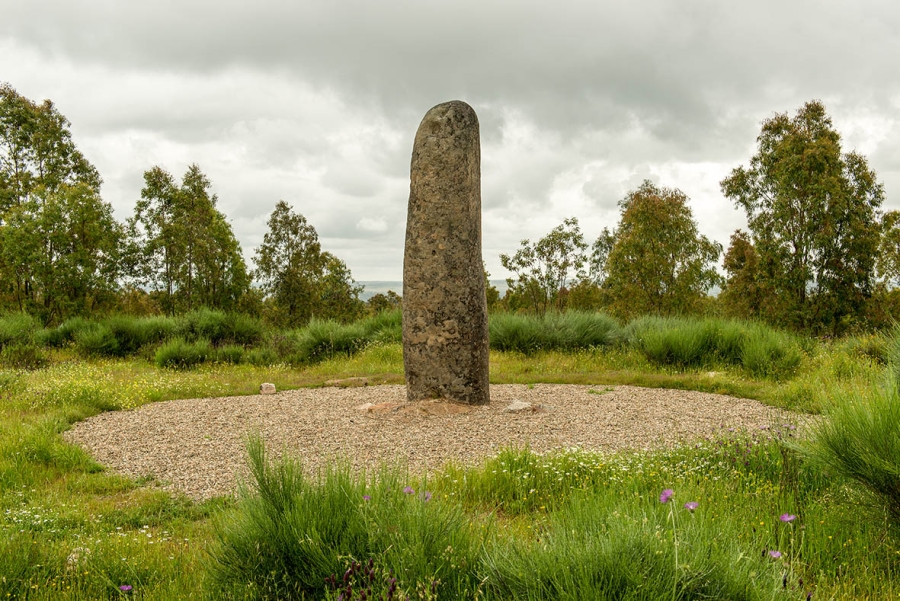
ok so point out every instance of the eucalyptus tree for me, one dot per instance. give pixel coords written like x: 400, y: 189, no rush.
x: 655, y: 261
x: 58, y: 239
x: 299, y: 279
x: 814, y: 221
x: 181, y: 245
x: 546, y: 268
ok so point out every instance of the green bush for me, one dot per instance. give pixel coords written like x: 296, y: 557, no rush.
x: 386, y: 326
x: 599, y: 547
x: 288, y: 535
x: 22, y: 355
x: 219, y: 327
x: 262, y: 357
x: 324, y: 339
x: 65, y: 332
x: 768, y: 353
x: 692, y: 343
x: 569, y: 331
x: 17, y: 328
x: 860, y: 439
x: 180, y: 354
x: 231, y: 353
x: 96, y: 339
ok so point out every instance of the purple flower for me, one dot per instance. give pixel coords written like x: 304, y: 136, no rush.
x: 665, y: 495
x: 774, y: 554
x: 691, y: 506
x: 427, y: 496
x: 409, y: 490
x: 787, y: 517
x: 367, y: 497
x: 125, y: 588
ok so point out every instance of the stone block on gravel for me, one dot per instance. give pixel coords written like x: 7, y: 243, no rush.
x: 524, y: 407
x: 266, y: 388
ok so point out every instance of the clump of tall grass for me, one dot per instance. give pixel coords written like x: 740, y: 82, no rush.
x: 324, y: 339
x: 860, y: 440
x: 568, y: 331
x: 600, y: 546
x: 219, y: 327
x: 181, y: 354
x: 288, y: 535
x: 685, y: 342
x: 18, y: 347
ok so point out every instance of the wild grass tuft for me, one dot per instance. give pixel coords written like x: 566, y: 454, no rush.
x: 180, y: 354
x: 860, y: 439
x: 288, y: 534
x: 555, y: 331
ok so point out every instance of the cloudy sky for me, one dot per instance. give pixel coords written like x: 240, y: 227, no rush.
x: 316, y: 102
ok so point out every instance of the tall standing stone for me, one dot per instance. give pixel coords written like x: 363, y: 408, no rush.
x: 445, y: 327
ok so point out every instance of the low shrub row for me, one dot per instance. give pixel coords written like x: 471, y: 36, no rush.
x: 206, y: 335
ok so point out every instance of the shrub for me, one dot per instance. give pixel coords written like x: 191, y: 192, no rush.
x: 65, y: 332
x: 599, y: 547
x: 860, y: 439
x: 180, y: 354
x: 324, y: 339
x: 554, y: 331
x: 231, y: 353
x: 386, y: 326
x: 768, y: 353
x: 262, y: 357
x: 288, y: 535
x: 17, y: 328
x: 21, y: 355
x: 219, y: 327
x: 96, y: 339
x: 686, y: 342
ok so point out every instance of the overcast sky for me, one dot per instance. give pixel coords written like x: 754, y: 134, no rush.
x: 316, y: 102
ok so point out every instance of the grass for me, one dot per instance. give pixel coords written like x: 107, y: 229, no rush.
x: 69, y: 530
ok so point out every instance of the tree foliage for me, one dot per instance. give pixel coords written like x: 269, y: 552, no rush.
x: 182, y: 246
x: 813, y: 216
x: 300, y: 279
x: 544, y: 269
x: 58, y: 239
x: 656, y: 261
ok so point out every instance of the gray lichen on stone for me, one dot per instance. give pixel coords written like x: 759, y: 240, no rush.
x: 445, y: 328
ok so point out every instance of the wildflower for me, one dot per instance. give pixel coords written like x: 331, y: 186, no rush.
x: 665, y: 495
x: 774, y: 554
x: 367, y: 497
x: 787, y: 517
x: 409, y: 490
x: 125, y: 588
x: 691, y: 506
x: 427, y: 496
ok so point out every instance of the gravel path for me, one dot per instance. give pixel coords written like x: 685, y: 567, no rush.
x: 195, y: 446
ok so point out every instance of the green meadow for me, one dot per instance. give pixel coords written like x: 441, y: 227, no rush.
x: 741, y: 515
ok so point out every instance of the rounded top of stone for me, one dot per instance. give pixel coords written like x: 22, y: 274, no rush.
x: 447, y: 118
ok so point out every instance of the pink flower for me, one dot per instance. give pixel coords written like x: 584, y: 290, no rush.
x: 774, y: 554
x: 691, y: 506
x: 665, y: 495
x: 787, y: 517
x: 409, y: 490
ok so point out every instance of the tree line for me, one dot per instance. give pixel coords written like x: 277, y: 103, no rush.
x: 818, y: 254
x: 63, y: 254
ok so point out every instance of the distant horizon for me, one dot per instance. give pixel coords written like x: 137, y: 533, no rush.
x: 373, y: 287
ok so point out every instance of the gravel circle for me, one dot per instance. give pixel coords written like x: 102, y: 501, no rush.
x: 196, y: 446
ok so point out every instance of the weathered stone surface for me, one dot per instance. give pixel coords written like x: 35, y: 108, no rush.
x: 518, y: 406
x: 348, y: 382
x: 266, y: 388
x: 445, y: 328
